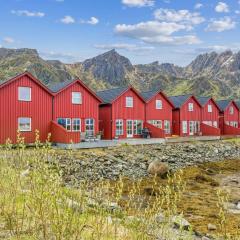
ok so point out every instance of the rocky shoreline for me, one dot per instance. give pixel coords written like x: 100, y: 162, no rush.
x: 133, y: 161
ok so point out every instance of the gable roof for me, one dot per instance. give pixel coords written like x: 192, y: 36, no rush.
x: 59, y: 87
x: 203, y: 101
x: 237, y: 103
x: 178, y: 101
x: 110, y: 95
x: 150, y: 94
x: 223, y: 104
x: 37, y: 81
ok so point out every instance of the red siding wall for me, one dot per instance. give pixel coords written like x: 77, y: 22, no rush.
x: 231, y: 117
x: 176, y: 122
x: 210, y: 116
x: 120, y: 111
x: 209, y: 130
x: 39, y: 109
x: 159, y: 114
x: 63, y: 107
x: 105, y: 121
x: 155, y: 132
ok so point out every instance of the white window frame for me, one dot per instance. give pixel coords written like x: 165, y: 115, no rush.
x: 68, y: 121
x: 30, y: 124
x: 90, y: 122
x: 167, y: 126
x: 76, y: 98
x: 159, y: 104
x: 22, y: 98
x: 119, y: 127
x: 190, y: 107
x: 129, y: 102
x: 156, y: 123
x: 184, y: 127
x: 231, y: 110
x: 74, y: 124
x: 136, y: 125
x: 209, y: 108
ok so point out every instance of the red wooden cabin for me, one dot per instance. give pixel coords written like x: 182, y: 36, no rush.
x: 186, y: 115
x: 25, y: 105
x: 122, y: 113
x: 209, y: 116
x: 158, y: 110
x: 229, y: 117
x: 75, y: 112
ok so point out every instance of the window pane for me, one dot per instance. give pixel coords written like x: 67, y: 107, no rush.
x: 76, y: 98
x: 24, y: 94
x: 119, y: 127
x: 158, y: 104
x: 89, y: 126
x: 24, y: 124
x: 129, y: 101
x: 76, y: 122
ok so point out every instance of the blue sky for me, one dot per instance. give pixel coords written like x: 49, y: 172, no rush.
x: 143, y: 30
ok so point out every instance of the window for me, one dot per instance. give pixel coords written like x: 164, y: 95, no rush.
x: 65, y: 122
x: 76, y: 125
x: 138, y: 126
x: 167, y: 127
x: 129, y: 102
x: 158, y: 104
x: 119, y: 127
x: 76, y: 98
x: 209, y: 108
x: 89, y: 127
x: 190, y: 107
x: 215, y: 124
x: 156, y: 123
x: 234, y: 124
x: 24, y: 94
x: 184, y: 127
x: 24, y: 124
x: 231, y: 110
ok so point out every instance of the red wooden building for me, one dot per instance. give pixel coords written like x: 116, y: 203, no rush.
x: 122, y: 113
x: 209, y: 116
x: 25, y: 105
x: 75, y: 112
x: 229, y: 117
x: 186, y: 115
x: 158, y: 110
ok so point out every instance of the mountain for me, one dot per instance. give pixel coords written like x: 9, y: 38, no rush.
x: 216, y: 74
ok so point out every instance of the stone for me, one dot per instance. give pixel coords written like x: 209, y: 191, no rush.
x: 158, y: 168
x: 212, y: 227
x: 181, y: 223
x: 238, y: 206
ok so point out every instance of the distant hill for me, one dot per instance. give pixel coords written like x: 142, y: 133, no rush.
x: 209, y: 74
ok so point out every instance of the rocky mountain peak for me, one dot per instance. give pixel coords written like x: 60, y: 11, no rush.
x: 6, y: 52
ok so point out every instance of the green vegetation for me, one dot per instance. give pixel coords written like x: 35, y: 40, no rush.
x: 35, y: 203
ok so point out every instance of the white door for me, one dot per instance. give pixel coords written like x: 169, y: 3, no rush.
x: 129, y: 128
x: 191, y: 127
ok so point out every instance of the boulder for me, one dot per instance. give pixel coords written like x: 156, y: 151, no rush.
x: 212, y: 227
x: 158, y: 168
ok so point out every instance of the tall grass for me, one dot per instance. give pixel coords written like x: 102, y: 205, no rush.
x: 35, y: 203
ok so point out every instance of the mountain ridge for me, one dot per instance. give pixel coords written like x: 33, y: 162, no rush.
x: 216, y: 74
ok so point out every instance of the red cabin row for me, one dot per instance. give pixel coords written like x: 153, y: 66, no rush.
x: 65, y: 110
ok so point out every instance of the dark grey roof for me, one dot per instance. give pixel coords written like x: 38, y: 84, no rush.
x: 148, y: 95
x: 222, y: 104
x: 178, y: 101
x: 203, y: 100
x: 111, y: 94
x: 59, y: 86
x: 238, y: 103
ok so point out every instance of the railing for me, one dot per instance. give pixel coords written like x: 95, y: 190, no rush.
x: 208, y: 130
x: 155, y: 131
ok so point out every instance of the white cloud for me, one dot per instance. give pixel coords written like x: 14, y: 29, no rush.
x: 8, y: 40
x: 173, y: 40
x: 181, y: 16
x: 68, y: 20
x: 138, y: 3
x: 222, y: 7
x: 156, y: 32
x: 124, y: 46
x: 198, y: 6
x: 150, y: 29
x: 93, y: 21
x: 237, y: 11
x: 27, y: 13
x: 221, y: 25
